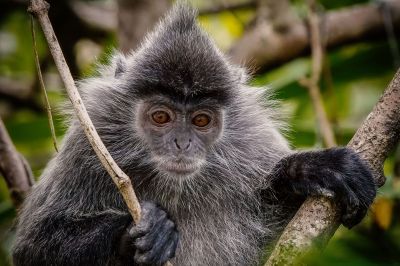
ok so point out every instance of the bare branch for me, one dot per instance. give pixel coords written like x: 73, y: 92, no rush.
x: 318, y: 218
x: 13, y: 168
x: 97, y: 14
x: 264, y: 46
x: 16, y: 89
x: 312, y: 84
x: 144, y: 15
x: 217, y: 8
x: 39, y: 8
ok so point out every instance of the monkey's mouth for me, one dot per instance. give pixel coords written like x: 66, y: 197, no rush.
x: 179, y: 167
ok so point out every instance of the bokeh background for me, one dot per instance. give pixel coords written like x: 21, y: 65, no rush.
x: 356, y: 69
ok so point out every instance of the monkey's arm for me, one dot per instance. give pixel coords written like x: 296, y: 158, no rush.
x: 339, y: 173
x: 60, y: 239
x: 107, y: 238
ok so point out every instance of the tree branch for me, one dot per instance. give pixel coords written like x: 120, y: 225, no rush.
x: 39, y: 8
x: 13, y: 168
x: 217, y: 8
x: 262, y: 46
x: 312, y: 83
x: 318, y: 218
x: 143, y: 14
x: 16, y: 89
x: 100, y: 15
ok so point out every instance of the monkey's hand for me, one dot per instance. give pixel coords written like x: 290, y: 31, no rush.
x: 153, y: 241
x: 338, y: 173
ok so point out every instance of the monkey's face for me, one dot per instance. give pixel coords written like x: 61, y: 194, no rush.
x: 178, y: 134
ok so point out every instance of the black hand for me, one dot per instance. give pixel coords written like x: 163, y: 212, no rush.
x: 154, y: 240
x: 337, y: 172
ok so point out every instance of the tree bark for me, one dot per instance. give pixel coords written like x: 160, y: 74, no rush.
x: 318, y: 218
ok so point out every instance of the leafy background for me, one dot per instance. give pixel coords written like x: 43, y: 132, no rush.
x: 358, y: 75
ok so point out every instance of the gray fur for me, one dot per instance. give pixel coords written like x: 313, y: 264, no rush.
x: 218, y: 211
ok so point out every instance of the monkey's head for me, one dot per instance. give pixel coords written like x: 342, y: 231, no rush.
x: 182, y: 84
x: 176, y: 105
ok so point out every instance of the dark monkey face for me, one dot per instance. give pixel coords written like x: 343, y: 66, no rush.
x: 179, y: 134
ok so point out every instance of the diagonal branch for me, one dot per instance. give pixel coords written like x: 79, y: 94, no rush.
x: 226, y: 6
x: 318, y: 218
x: 263, y: 47
x: 40, y: 8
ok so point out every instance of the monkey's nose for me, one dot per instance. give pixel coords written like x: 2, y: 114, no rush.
x: 181, y: 144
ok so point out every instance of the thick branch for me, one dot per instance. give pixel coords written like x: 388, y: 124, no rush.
x: 262, y: 46
x: 104, y: 16
x: 13, y: 169
x: 317, y: 219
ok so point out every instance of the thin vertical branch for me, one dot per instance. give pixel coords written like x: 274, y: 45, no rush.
x: 46, y: 99
x: 312, y: 83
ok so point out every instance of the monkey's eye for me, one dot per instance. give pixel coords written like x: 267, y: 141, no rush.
x: 201, y: 120
x: 160, y: 117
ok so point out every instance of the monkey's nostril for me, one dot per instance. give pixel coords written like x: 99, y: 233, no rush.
x: 188, y: 145
x: 176, y: 143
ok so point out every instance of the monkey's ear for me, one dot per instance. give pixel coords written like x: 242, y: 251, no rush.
x: 120, y: 65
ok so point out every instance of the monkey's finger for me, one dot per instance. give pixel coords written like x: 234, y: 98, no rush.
x: 170, y: 248
x: 150, y: 222
x: 350, y: 207
x: 145, y: 241
x: 141, y: 229
x: 161, y: 242
x: 156, y: 237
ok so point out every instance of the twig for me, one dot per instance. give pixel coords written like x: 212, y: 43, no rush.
x: 317, y: 219
x: 317, y: 58
x: 46, y: 99
x: 40, y: 8
x: 13, y: 169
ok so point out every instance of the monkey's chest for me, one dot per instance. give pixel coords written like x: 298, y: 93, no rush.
x: 219, y: 241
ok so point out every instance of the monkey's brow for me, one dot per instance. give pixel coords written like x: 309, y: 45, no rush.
x: 220, y: 94
x: 201, y: 102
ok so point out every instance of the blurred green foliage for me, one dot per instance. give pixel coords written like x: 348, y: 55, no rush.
x: 355, y: 77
